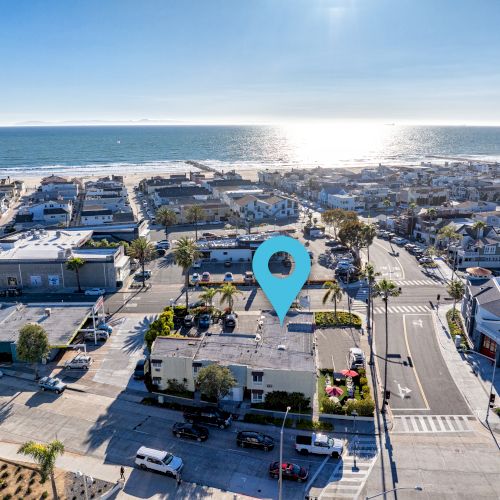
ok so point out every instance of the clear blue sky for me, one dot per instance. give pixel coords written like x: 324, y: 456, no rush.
x: 253, y: 61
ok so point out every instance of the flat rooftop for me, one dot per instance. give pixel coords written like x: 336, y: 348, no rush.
x: 61, y: 325
x: 283, y: 348
x: 40, y: 244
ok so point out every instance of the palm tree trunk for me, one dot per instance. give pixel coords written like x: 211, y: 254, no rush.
x: 187, y: 287
x: 453, y: 313
x: 335, y: 307
x: 54, y: 487
x: 143, y: 266
x: 196, y: 229
x: 386, y: 353
x: 368, y: 252
x: 78, y: 280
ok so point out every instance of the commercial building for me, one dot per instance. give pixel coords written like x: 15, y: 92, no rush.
x: 481, y: 313
x: 270, y: 358
x: 61, y: 322
x: 35, y: 261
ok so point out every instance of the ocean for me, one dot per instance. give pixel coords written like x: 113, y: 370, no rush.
x: 87, y: 150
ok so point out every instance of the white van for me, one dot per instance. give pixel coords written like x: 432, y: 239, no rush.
x: 159, y: 461
x: 356, y: 358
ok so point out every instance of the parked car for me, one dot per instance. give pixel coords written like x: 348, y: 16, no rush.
x: 204, y: 321
x: 190, y: 431
x: 79, y: 362
x: 248, y: 277
x: 188, y: 320
x: 159, y: 461
x: 209, y: 416
x: 228, y: 277
x: 289, y: 471
x: 209, y: 235
x: 99, y: 335
x: 356, y: 358
x: 53, y: 384
x: 163, y: 244
x: 105, y: 327
x: 253, y: 439
x: 425, y: 260
x: 95, y: 291
x: 195, y: 278
x: 230, y: 320
x: 205, y: 276
x: 319, y: 444
x: 146, y: 274
x: 140, y: 369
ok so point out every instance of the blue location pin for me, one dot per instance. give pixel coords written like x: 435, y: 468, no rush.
x: 281, y: 292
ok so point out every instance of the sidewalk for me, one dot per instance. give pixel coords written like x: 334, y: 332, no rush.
x: 474, y: 388
x: 138, y: 484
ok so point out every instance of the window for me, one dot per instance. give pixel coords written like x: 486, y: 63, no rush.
x: 156, y: 364
x: 196, y: 367
x: 156, y: 380
x: 490, y: 249
x: 257, y: 396
x: 257, y: 377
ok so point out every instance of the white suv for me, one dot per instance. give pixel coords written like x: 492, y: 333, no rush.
x: 80, y: 361
x: 159, y: 461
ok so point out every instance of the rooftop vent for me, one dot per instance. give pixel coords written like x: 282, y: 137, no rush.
x: 281, y: 347
x: 258, y: 337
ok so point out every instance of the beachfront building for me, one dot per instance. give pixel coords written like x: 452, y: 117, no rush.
x: 56, y: 187
x: 264, y: 206
x: 35, y: 261
x: 92, y: 215
x: 50, y: 213
x: 149, y: 186
x: 351, y: 202
x: 261, y: 361
x: 422, y: 196
x: 481, y: 313
x: 173, y: 194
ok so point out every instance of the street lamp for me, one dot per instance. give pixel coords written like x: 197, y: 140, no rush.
x: 416, y: 488
x: 280, y: 482
x: 87, y: 481
x: 355, y: 414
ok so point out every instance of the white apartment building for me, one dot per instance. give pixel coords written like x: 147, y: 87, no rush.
x: 261, y: 361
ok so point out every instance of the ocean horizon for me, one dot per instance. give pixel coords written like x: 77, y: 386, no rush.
x: 101, y: 149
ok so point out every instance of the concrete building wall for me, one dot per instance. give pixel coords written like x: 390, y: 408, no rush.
x: 235, y: 254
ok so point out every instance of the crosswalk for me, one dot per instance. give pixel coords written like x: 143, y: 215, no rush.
x: 416, y: 424
x: 403, y: 309
x: 417, y: 282
x: 350, y: 475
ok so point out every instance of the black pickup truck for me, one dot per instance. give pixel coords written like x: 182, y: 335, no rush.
x: 209, y: 416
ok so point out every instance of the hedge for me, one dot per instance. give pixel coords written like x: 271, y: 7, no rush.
x: 266, y: 420
x: 455, y: 326
x: 328, y: 319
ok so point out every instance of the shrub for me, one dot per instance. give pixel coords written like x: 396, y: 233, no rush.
x: 361, y: 372
x: 328, y: 406
x: 18, y: 489
x: 497, y: 411
x: 328, y: 319
x: 159, y: 327
x: 363, y: 381
x: 279, y: 400
x: 177, y: 388
x: 7, y: 497
x: 364, y: 407
x: 314, y: 425
x: 44, y: 495
x: 5, y: 475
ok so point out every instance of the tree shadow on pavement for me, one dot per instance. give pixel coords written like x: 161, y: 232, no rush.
x: 134, y: 340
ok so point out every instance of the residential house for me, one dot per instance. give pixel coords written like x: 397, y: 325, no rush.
x: 422, y: 196
x: 55, y: 187
x: 50, y: 213
x: 481, y: 313
x: 93, y: 215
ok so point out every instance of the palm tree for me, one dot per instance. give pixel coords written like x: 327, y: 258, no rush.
x: 370, y: 274
x: 456, y: 291
x: 195, y: 214
x: 385, y: 289
x: 45, y: 455
x: 166, y: 217
x: 368, y: 233
x: 74, y: 264
x: 185, y: 254
x: 411, y: 212
x: 227, y: 293
x: 143, y: 251
x: 333, y: 292
x: 448, y: 232
x: 387, y: 205
x: 208, y: 295
x: 431, y: 213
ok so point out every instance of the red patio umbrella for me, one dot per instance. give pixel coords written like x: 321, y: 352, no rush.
x: 349, y: 373
x: 334, y: 391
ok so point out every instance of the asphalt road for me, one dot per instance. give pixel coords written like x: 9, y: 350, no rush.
x: 113, y: 429
x: 418, y: 377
